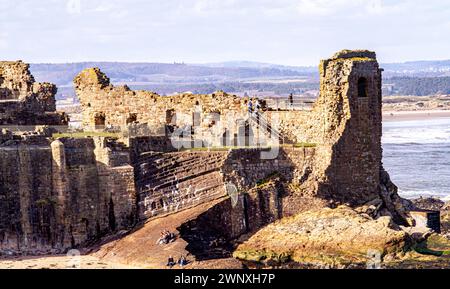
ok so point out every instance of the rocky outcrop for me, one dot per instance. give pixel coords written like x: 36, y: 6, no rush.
x: 431, y: 204
x: 336, y: 238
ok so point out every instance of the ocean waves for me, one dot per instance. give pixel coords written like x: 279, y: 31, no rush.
x: 417, y: 156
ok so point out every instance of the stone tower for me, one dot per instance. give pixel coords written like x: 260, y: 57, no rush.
x: 351, y: 124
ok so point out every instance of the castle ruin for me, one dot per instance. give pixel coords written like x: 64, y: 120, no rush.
x: 24, y: 101
x: 61, y: 193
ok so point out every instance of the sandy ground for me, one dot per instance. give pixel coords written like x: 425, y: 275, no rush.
x: 415, y: 115
x: 59, y: 262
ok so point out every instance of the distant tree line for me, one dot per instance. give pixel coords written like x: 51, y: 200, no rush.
x: 418, y: 86
x: 242, y: 87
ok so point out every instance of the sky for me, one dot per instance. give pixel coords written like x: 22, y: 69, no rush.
x: 289, y: 32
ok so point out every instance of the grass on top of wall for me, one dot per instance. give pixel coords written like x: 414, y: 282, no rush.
x: 85, y: 134
x: 224, y: 148
x: 227, y: 148
x: 304, y: 145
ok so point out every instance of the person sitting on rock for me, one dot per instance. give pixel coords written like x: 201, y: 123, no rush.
x: 164, y: 239
x: 170, y: 262
x: 182, y: 261
x: 171, y: 237
x: 160, y: 239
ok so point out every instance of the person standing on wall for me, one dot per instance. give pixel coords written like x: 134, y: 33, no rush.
x: 257, y: 110
x: 291, y: 100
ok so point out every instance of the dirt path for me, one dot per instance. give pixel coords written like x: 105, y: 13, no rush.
x: 140, y: 249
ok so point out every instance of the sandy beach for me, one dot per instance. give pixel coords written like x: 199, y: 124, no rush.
x: 59, y: 262
x: 414, y: 115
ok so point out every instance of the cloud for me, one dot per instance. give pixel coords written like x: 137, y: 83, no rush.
x: 343, y: 7
x: 73, y: 6
x: 285, y: 31
x: 3, y: 40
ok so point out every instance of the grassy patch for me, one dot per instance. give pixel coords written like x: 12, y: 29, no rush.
x: 266, y: 180
x: 262, y: 255
x: 85, y: 134
x: 360, y: 59
x: 225, y: 148
x: 304, y: 145
x: 435, y: 245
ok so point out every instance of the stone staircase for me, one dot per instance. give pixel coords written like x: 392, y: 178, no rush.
x: 259, y: 121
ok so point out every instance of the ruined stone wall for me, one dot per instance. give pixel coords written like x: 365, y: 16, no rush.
x: 293, y: 125
x: 345, y: 125
x: 24, y: 101
x: 116, y: 181
x: 263, y: 205
x: 139, y: 145
x: 170, y: 182
x: 107, y: 105
x: 15, y: 80
x: 27, y: 211
x: 247, y: 167
x: 59, y: 194
x: 349, y: 109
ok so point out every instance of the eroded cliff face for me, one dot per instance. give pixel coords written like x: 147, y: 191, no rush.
x: 24, y: 101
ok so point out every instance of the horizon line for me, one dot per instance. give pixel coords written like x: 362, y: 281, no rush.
x: 211, y: 63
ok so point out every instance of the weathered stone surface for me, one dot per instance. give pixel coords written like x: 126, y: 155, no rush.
x: 24, y: 101
x: 338, y: 237
x: 431, y: 204
x: 118, y: 106
x: 346, y: 54
x: 58, y: 195
x: 62, y: 193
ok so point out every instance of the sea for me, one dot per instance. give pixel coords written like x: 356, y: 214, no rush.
x: 417, y: 156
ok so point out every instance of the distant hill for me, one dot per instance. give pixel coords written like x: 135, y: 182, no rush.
x: 241, y: 77
x: 418, y: 68
x: 63, y: 74
x: 253, y: 64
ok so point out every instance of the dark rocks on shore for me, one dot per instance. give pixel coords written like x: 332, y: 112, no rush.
x: 430, y: 204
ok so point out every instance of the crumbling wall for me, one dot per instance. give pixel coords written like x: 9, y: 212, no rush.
x: 27, y: 205
x: 345, y: 125
x: 24, y: 101
x: 107, y: 105
x: 247, y: 168
x: 82, y: 188
x: 170, y: 182
x: 350, y: 109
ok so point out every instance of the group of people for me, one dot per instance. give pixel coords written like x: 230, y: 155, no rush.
x: 166, y: 237
x: 182, y: 262
x: 257, y: 108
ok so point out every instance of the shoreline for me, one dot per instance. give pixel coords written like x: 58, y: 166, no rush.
x: 408, y: 115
